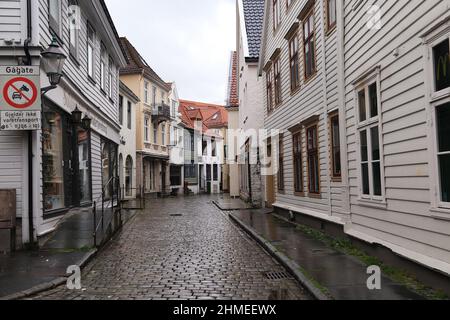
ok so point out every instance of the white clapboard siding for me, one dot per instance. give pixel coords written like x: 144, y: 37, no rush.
x: 76, y: 68
x: 12, y: 18
x: 12, y: 171
x: 406, y: 221
x: 315, y: 97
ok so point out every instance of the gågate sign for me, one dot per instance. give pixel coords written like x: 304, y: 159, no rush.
x: 20, y: 98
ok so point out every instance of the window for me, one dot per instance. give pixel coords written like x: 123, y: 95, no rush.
x: 120, y: 110
x: 175, y: 175
x: 214, y: 148
x: 111, y: 78
x: 174, y: 108
x: 277, y: 77
x: 331, y: 14
x: 281, y: 165
x: 54, y: 16
x: 269, y: 85
x: 163, y: 98
x: 276, y: 13
x: 443, y: 129
x: 369, y: 139
x: 154, y: 96
x: 335, y: 146
x: 129, y: 176
x: 298, y: 165
x: 313, y: 159
x: 146, y: 92
x: 215, y: 172
x: 90, y: 51
x: 441, y: 60
x: 163, y: 134
x: 205, y: 147
x: 103, y: 57
x: 146, y: 129
x: 309, y: 45
x: 293, y: 62
x: 129, y: 117
x: 73, y: 28
x: 155, y: 134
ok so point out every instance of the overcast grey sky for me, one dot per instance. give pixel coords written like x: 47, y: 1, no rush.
x: 186, y: 41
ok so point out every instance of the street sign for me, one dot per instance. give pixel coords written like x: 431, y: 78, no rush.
x: 20, y: 120
x: 20, y: 98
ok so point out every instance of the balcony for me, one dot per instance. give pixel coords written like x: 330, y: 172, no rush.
x: 161, y: 113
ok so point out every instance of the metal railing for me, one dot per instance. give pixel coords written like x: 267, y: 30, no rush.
x: 114, y: 201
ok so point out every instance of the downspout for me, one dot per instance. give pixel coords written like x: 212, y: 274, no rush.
x: 342, y: 111
x: 30, y: 136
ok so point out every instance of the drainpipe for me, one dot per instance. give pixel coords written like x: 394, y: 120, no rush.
x: 30, y: 135
x: 342, y: 109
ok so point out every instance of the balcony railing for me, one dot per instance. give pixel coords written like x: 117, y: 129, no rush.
x: 161, y: 113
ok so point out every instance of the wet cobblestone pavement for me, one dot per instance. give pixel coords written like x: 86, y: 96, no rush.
x: 182, y: 248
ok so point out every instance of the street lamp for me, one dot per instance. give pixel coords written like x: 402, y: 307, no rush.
x: 53, y: 60
x: 76, y: 116
x: 86, y: 123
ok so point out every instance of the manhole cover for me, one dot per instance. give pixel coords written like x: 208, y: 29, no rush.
x: 277, y: 275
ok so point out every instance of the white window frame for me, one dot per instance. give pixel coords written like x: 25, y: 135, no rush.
x: 436, y: 35
x: 55, y: 22
x: 103, y: 55
x: 90, y: 45
x: 363, y: 84
x: 111, y: 77
x: 146, y: 129
x: 146, y: 92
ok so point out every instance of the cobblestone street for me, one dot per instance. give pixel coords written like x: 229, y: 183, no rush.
x: 181, y: 248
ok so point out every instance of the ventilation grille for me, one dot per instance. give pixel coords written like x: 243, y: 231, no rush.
x: 277, y: 275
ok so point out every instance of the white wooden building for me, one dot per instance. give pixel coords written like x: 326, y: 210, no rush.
x: 360, y: 91
x: 56, y: 181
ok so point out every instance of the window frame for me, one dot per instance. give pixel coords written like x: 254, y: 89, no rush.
x: 311, y: 38
x: 73, y: 48
x: 367, y: 125
x: 294, y: 59
x: 281, y: 185
x: 330, y: 26
x: 103, y: 64
x: 90, y: 44
x: 331, y: 117
x: 111, y: 67
x: 55, y: 23
x: 121, y: 100
x: 297, y: 155
x: 146, y: 129
x: 278, y: 89
x: 316, y: 153
x: 276, y: 14
x: 437, y: 34
x: 269, y: 90
x: 129, y: 115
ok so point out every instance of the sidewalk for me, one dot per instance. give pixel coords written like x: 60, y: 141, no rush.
x: 337, y: 275
x: 27, y: 272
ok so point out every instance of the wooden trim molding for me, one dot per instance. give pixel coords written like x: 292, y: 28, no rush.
x: 310, y: 121
x: 305, y: 10
x: 292, y: 31
x: 275, y: 55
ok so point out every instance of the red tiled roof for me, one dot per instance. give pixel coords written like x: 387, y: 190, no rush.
x: 211, y: 115
x: 137, y: 64
x: 233, y: 96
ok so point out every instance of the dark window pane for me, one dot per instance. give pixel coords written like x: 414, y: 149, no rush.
x: 336, y: 147
x: 443, y: 119
x: 364, y: 155
x: 365, y: 179
x: 444, y: 163
x: 442, y: 65
x: 373, y: 100
x: 376, y: 179
x: 362, y: 106
x: 375, y: 138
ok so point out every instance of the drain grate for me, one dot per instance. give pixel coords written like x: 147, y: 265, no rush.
x: 176, y: 215
x: 277, y: 275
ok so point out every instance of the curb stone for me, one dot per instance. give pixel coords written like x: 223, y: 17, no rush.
x: 289, y: 264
